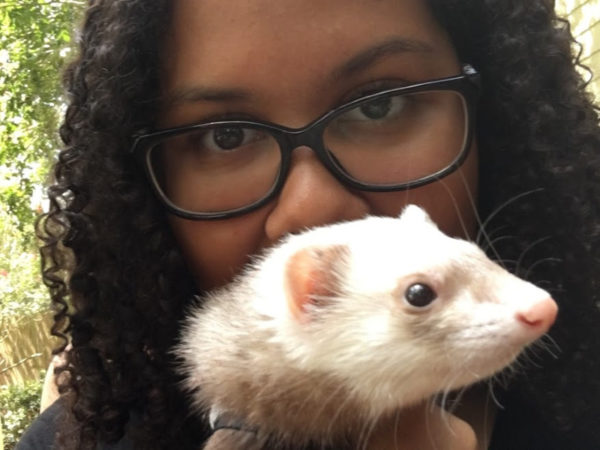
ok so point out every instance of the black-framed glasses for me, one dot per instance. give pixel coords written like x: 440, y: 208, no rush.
x: 391, y: 140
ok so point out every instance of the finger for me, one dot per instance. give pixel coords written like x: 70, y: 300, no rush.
x: 424, y: 427
x: 231, y: 439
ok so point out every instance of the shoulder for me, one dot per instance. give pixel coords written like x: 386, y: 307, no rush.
x: 41, y: 433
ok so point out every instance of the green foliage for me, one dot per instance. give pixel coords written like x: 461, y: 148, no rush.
x: 21, y: 289
x: 19, y: 405
x: 34, y: 44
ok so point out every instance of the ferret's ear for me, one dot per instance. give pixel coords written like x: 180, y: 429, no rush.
x: 416, y: 215
x: 312, y: 275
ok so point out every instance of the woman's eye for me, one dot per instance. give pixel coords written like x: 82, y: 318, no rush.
x: 228, y: 138
x: 378, y: 109
x: 383, y: 108
x: 225, y: 138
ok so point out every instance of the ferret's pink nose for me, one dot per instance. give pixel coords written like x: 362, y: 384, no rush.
x: 539, y: 315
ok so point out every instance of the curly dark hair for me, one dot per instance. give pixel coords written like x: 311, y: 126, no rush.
x: 119, y: 283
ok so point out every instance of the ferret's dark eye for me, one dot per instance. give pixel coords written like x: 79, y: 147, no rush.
x: 420, y: 295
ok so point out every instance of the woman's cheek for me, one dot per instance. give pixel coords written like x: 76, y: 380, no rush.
x: 451, y: 202
x: 216, y: 250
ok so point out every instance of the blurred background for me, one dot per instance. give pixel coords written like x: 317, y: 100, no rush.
x: 584, y: 16
x: 36, y: 40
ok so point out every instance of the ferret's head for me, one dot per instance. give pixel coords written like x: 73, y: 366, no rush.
x: 397, y: 310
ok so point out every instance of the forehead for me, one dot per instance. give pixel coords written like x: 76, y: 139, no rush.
x: 218, y: 40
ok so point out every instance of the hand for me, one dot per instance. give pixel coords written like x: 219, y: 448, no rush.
x: 423, y: 427
x: 230, y: 439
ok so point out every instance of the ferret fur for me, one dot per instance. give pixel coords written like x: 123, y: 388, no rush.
x: 316, y: 341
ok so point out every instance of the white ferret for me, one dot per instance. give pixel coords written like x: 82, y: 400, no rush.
x: 336, y: 327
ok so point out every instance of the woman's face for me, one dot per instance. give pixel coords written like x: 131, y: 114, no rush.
x: 288, y: 62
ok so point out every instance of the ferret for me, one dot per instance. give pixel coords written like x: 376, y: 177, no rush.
x: 341, y: 325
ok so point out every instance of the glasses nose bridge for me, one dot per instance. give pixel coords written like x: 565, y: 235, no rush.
x: 308, y: 136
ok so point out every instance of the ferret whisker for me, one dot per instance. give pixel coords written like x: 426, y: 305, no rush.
x: 550, y: 339
x: 438, y: 401
x: 445, y: 417
x: 494, y: 241
x: 335, y: 417
x: 326, y: 370
x: 541, y: 348
x: 508, y: 264
x: 435, y: 400
x: 309, y: 400
x: 492, y: 234
x: 472, y: 201
x: 324, y: 404
x: 428, y: 427
x: 443, y: 404
x: 365, y: 434
x: 396, y: 422
x: 455, y: 401
x: 546, y: 283
x: 492, y: 395
x: 487, y: 425
x: 518, y: 366
x: 502, y: 207
x: 428, y: 423
x: 447, y: 407
x: 541, y: 261
x: 527, y: 250
x: 545, y: 343
x: 504, y: 378
x: 313, y: 394
x: 530, y: 358
x: 457, y: 209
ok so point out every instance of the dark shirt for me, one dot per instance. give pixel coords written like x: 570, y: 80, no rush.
x: 516, y: 428
x: 41, y: 433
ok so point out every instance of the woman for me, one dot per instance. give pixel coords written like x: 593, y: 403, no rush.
x: 133, y: 232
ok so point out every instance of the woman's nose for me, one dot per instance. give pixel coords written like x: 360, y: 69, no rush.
x: 311, y: 196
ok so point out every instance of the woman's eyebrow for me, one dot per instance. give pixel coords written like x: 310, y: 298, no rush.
x: 371, y: 55
x: 355, y: 64
x: 207, y: 94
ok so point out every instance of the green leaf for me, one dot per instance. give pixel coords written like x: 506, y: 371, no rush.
x: 35, y: 43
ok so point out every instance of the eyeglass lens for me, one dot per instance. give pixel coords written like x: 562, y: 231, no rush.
x: 396, y: 140
x: 388, y: 141
x: 216, y: 169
